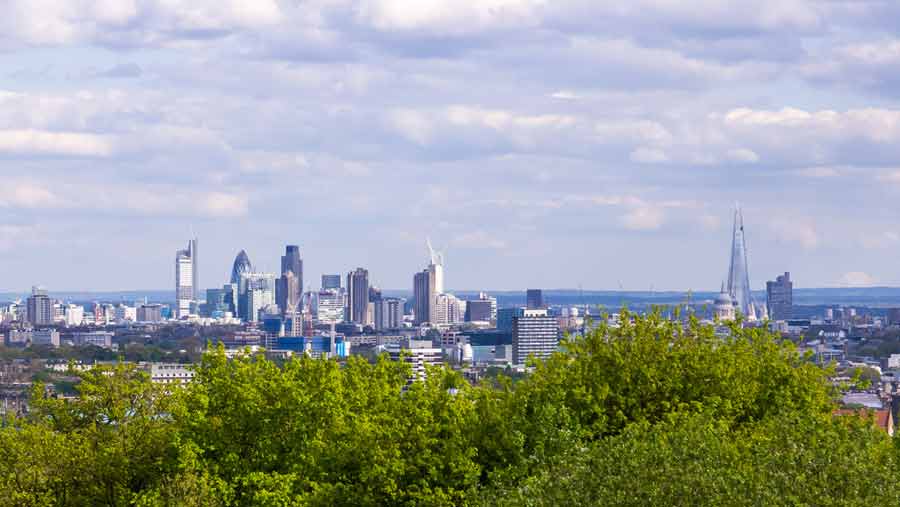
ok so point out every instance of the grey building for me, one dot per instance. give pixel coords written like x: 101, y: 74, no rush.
x: 331, y: 282
x: 534, y: 299
x: 39, y: 308
x: 422, y: 298
x: 388, y: 313
x: 483, y: 309
x: 150, y: 312
x: 780, y: 297
x: 290, y: 291
x: 357, y: 296
x: 534, y: 333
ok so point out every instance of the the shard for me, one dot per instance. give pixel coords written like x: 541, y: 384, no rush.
x: 738, y: 274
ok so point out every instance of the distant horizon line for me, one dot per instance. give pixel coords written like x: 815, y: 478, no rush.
x: 488, y: 291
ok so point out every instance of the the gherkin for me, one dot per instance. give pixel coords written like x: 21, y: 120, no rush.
x: 241, y: 265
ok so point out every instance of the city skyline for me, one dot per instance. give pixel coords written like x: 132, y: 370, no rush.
x: 517, y: 134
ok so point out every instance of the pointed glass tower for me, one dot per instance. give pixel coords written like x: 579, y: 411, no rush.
x: 738, y: 275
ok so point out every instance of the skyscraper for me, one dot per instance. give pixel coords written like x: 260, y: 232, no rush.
x: 39, y: 311
x: 422, y: 297
x: 241, y: 265
x: 427, y: 285
x: 357, y: 296
x: 257, y: 291
x: 388, y: 313
x: 534, y: 299
x: 331, y: 282
x: 186, y: 289
x: 780, y: 297
x: 534, y: 333
x: 738, y: 275
x: 290, y: 291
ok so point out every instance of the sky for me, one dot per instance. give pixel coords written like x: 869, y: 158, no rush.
x: 538, y: 143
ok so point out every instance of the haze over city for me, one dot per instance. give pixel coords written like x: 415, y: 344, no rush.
x: 538, y: 144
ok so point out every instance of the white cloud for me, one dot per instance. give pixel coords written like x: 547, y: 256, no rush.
x: 38, y: 142
x: 820, y: 172
x: 646, y: 155
x: 479, y: 239
x: 27, y: 195
x: 644, y: 218
x: 220, y: 204
x: 886, y: 239
x: 856, y: 279
x: 743, y: 155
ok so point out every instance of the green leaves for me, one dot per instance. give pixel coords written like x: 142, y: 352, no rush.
x: 649, y: 413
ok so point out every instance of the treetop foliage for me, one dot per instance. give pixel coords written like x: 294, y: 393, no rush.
x: 649, y: 413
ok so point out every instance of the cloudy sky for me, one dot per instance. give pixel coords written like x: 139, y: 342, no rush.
x: 541, y: 143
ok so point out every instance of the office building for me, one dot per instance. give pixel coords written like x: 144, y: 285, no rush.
x: 256, y: 292
x: 534, y: 299
x: 45, y: 338
x: 331, y: 282
x: 149, y: 313
x: 73, y: 315
x: 535, y: 333
x: 358, y: 296
x: 780, y: 297
x: 505, y: 317
x: 241, y: 265
x: 330, y: 306
x: 39, y: 308
x: 187, y: 290
x: 125, y: 313
x: 171, y: 373
x: 288, y: 292
x: 738, y: 284
x: 421, y: 298
x: 290, y: 285
x: 101, y: 339
x: 483, y: 309
x: 418, y: 353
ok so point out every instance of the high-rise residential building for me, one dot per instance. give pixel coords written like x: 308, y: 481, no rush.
x: 534, y: 333
x: 420, y: 354
x: 483, y: 309
x: 389, y: 313
x: 241, y: 265
x: 534, y: 299
x: 358, y: 296
x: 187, y: 290
x: 39, y: 307
x: 426, y: 286
x: 256, y: 292
x: 331, y: 282
x: 446, y: 309
x: 330, y: 306
x: 738, y: 274
x: 290, y: 292
x: 780, y: 297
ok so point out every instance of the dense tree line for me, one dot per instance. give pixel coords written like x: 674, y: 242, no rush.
x: 649, y: 413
